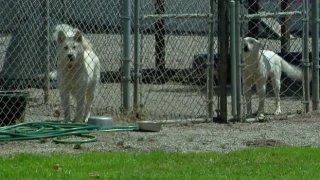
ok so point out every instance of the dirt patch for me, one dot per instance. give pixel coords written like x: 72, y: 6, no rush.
x: 265, y: 143
x: 302, y: 130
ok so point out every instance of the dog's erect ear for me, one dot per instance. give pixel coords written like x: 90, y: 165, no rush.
x: 258, y: 42
x: 78, y: 37
x: 60, y: 37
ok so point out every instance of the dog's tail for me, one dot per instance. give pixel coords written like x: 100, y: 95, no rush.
x: 52, y: 75
x: 292, y: 71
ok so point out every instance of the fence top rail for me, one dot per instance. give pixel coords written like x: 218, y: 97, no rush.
x: 271, y: 15
x: 209, y: 15
x: 168, y: 16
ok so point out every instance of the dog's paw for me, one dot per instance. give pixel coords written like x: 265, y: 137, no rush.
x: 277, y: 112
x: 258, y: 113
x: 261, y: 117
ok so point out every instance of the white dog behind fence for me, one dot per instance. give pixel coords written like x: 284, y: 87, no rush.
x: 261, y: 65
x: 78, y: 71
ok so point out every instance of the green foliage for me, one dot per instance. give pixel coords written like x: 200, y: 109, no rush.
x: 260, y: 163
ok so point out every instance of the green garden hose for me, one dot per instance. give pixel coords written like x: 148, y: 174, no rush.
x: 88, y: 139
x: 56, y: 130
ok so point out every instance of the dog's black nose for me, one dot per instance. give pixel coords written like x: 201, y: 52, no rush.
x: 245, y: 49
x: 70, y: 57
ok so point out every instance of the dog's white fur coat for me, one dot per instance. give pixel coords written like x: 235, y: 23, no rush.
x: 78, y: 71
x: 261, y: 65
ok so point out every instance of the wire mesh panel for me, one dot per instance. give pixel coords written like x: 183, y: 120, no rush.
x: 28, y: 55
x: 278, y: 27
x: 174, y: 55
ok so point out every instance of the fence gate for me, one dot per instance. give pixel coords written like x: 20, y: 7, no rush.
x: 28, y: 55
x: 174, y: 46
x: 174, y: 58
x: 282, y: 27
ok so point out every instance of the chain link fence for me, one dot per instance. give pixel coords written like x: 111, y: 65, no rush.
x: 174, y: 54
x: 28, y: 54
x: 174, y: 48
x: 174, y: 58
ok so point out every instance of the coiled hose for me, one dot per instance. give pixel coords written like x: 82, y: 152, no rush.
x: 56, y: 130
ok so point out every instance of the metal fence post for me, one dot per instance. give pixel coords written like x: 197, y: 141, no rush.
x: 46, y: 80
x: 136, y: 85
x: 211, y: 63
x: 233, y: 58
x: 315, y: 54
x: 238, y: 59
x: 306, y: 61
x: 223, y: 58
x: 126, y: 26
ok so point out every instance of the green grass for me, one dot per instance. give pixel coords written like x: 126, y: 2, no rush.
x: 261, y: 163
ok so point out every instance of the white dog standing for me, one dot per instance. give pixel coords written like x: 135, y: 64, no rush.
x: 78, y: 71
x: 261, y: 65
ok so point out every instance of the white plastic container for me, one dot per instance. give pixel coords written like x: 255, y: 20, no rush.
x: 151, y: 126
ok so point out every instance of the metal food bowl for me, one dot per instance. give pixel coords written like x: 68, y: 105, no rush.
x: 100, y: 121
x: 150, y: 126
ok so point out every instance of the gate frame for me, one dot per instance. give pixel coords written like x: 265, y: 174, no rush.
x: 305, y: 48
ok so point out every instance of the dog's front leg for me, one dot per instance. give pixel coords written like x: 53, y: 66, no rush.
x: 276, y: 89
x: 247, y: 95
x: 88, y: 103
x: 261, y: 88
x: 80, y: 98
x: 65, y: 98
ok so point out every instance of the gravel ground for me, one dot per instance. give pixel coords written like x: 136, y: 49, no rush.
x: 301, y: 130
